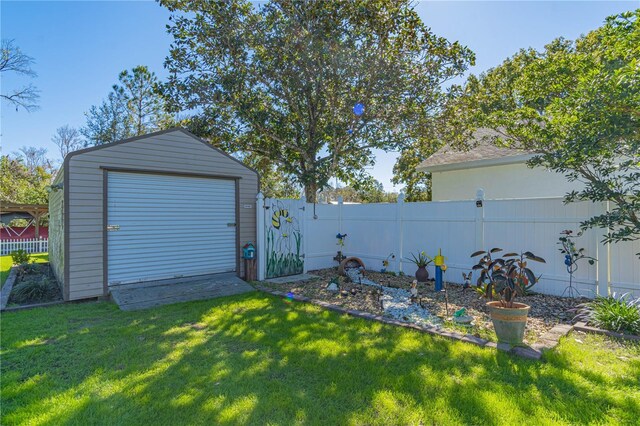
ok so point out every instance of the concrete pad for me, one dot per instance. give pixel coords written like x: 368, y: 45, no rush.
x: 130, y: 297
x: 292, y: 278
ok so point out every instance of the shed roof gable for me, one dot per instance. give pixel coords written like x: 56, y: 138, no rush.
x: 142, y: 138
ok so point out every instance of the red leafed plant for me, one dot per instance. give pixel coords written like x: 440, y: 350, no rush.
x: 505, y: 277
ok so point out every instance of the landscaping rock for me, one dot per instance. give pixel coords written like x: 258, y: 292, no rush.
x: 465, y: 319
x: 546, y: 311
x: 396, y: 302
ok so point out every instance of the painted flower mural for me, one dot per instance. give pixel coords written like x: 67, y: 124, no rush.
x: 284, y: 241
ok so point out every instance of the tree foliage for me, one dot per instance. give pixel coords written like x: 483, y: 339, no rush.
x: 132, y: 108
x: 417, y: 185
x: 13, y: 60
x: 280, y: 80
x: 107, y: 122
x: 146, y: 109
x: 577, y: 105
x: 274, y: 183
x: 67, y: 139
x: 372, y: 192
x: 19, y: 184
x: 33, y: 158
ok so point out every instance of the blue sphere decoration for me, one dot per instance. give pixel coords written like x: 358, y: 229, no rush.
x: 350, y: 131
x: 358, y: 109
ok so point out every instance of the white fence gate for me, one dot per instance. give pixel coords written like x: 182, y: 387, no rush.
x: 40, y: 245
x: 376, y: 232
x: 281, y: 224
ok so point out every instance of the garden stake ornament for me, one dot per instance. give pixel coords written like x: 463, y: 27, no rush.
x: 385, y: 262
x: 571, y: 257
x: 340, y: 237
x: 443, y: 268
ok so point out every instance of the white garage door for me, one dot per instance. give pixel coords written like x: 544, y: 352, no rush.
x: 163, y: 226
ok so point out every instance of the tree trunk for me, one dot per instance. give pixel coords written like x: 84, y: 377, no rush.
x: 311, y: 192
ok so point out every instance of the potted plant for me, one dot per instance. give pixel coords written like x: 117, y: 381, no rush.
x: 421, y: 261
x: 501, y: 280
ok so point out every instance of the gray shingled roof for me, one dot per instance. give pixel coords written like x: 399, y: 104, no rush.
x: 481, y: 149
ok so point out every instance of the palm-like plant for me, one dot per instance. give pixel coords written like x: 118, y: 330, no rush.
x: 505, y: 277
x: 421, y: 260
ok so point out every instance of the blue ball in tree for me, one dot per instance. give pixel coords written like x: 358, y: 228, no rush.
x: 358, y: 109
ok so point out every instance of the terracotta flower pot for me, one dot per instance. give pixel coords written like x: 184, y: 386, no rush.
x: 422, y: 275
x: 509, y: 323
x: 350, y: 262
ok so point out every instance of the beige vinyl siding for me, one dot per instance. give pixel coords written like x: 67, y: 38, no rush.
x: 56, y: 230
x: 172, y: 152
x: 499, y: 182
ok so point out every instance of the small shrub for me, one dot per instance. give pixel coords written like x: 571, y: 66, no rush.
x: 39, y: 289
x: 20, y: 257
x: 614, y: 313
x: 26, y: 269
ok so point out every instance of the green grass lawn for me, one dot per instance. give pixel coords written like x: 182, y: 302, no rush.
x: 6, y: 263
x: 256, y: 359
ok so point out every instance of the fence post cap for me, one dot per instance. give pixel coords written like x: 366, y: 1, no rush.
x: 340, y: 200
x: 260, y: 196
x: 480, y: 194
x: 401, y: 197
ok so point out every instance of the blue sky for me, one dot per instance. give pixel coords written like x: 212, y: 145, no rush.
x: 80, y: 47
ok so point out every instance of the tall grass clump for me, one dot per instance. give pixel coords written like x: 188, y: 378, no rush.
x: 614, y: 313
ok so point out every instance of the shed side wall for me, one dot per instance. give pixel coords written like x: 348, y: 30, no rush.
x: 173, y: 152
x: 56, y: 231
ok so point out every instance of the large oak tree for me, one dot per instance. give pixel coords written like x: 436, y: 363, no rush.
x: 281, y: 80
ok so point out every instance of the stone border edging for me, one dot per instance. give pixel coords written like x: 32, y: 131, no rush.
x: 7, y: 287
x: 32, y: 306
x: 581, y: 326
x: 549, y: 340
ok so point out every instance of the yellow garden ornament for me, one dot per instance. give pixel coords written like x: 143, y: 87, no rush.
x: 438, y: 260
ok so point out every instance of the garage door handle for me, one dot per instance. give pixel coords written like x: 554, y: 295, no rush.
x: 231, y: 224
x: 113, y: 227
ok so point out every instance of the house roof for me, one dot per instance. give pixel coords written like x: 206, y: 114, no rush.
x: 482, y: 153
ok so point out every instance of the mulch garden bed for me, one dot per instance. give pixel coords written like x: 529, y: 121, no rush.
x: 43, y: 287
x: 546, y: 311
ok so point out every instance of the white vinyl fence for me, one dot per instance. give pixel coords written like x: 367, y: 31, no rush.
x: 376, y: 232
x: 30, y: 246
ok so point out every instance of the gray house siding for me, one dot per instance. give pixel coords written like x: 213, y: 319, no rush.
x: 56, y: 230
x: 168, y: 152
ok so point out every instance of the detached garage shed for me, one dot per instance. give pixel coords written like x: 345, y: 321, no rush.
x: 161, y: 206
